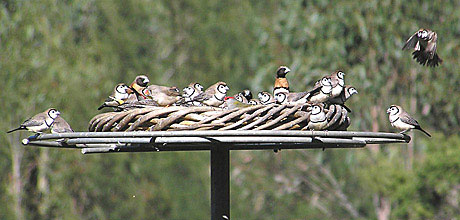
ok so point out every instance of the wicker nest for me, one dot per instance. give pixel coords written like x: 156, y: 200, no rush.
x: 257, y: 117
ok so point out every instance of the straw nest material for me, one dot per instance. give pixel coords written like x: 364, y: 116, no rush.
x: 257, y: 117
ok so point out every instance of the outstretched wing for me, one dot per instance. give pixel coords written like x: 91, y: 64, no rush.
x: 411, y: 42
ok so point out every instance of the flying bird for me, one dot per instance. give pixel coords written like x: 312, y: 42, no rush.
x: 40, y: 122
x: 401, y: 120
x: 214, y: 95
x: 60, y: 126
x: 119, y: 96
x: 281, y: 83
x: 423, y: 42
x: 266, y: 98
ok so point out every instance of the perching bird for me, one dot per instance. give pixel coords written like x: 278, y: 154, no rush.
x: 119, y: 96
x: 318, y: 119
x: 60, y: 126
x: 321, y: 92
x: 214, y: 95
x: 241, y: 98
x: 401, y: 120
x: 266, y: 98
x: 281, y: 83
x: 346, y: 93
x: 190, y: 92
x: 254, y: 102
x: 40, y: 122
x: 162, y: 95
x: 138, y: 85
x: 232, y: 103
x: 291, y: 98
x: 337, y: 82
x: 247, y: 94
x: 424, y: 43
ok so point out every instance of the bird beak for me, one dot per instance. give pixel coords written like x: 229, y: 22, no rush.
x: 388, y: 111
x: 58, y: 113
x: 129, y: 91
x: 146, y: 81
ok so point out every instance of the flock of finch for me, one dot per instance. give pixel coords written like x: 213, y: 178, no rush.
x: 329, y: 90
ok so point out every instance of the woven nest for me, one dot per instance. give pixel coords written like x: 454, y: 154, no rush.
x: 257, y: 117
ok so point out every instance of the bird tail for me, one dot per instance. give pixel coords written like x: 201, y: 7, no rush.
x: 428, y: 134
x: 102, y: 106
x: 20, y: 128
x: 348, y: 109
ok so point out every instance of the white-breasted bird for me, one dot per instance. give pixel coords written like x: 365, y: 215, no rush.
x: 346, y: 93
x: 423, y: 42
x: 291, y: 97
x: 214, y: 95
x: 119, y: 96
x: 190, y: 92
x: 60, y: 126
x: 281, y: 83
x: 401, y: 120
x: 266, y: 98
x: 318, y: 119
x: 254, y: 102
x: 40, y: 122
x: 321, y: 92
x: 337, y: 82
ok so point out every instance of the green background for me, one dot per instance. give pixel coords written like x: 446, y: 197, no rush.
x: 70, y: 54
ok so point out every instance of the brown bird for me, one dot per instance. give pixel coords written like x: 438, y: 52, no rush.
x: 401, y: 120
x: 60, y: 126
x: 423, y: 42
x: 40, y: 122
x: 281, y: 83
x: 163, y: 95
x: 138, y: 85
x: 266, y: 98
x: 214, y: 95
x: 119, y: 96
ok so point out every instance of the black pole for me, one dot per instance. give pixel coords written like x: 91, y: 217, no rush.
x: 220, y: 182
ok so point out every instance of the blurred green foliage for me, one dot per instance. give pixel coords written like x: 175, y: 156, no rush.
x: 70, y: 54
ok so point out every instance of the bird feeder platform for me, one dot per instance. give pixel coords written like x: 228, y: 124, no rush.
x: 218, y: 143
x: 257, y: 117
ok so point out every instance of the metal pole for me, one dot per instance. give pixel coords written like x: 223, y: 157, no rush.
x: 220, y: 182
